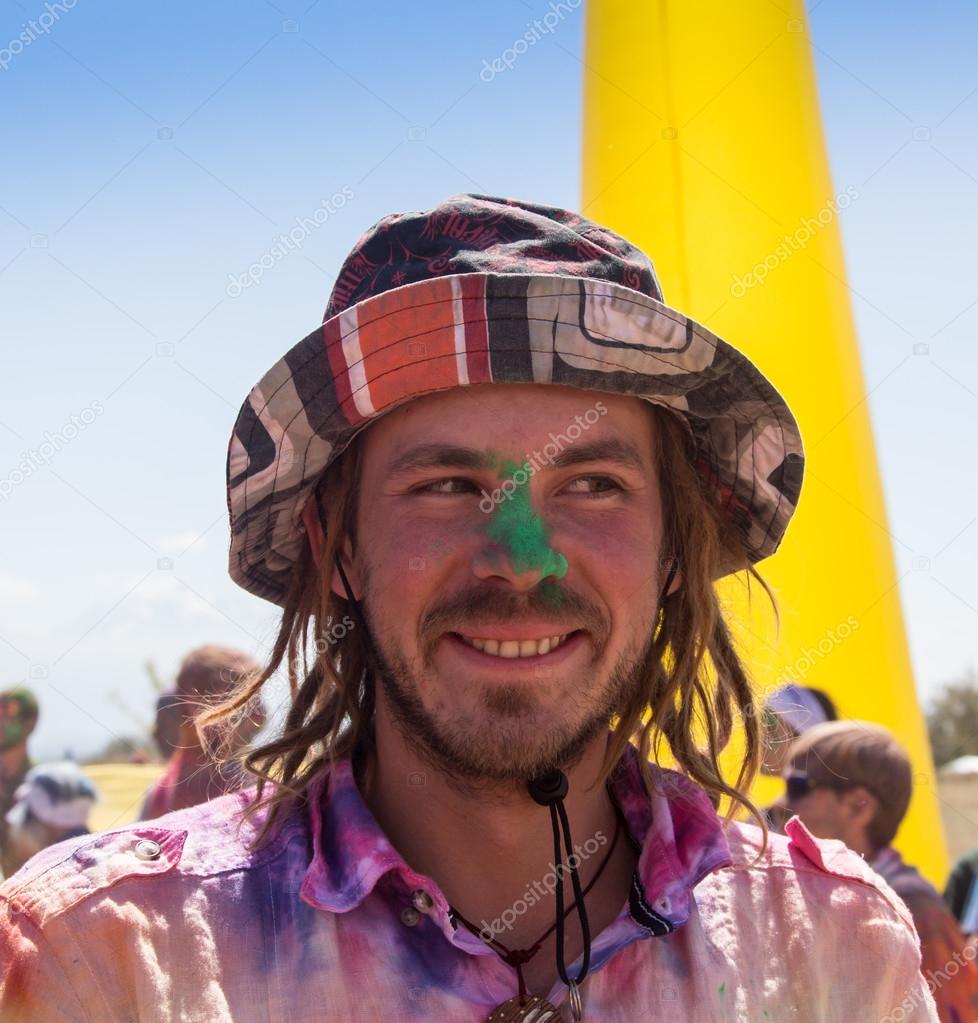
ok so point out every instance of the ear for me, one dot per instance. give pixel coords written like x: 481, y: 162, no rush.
x: 861, y: 805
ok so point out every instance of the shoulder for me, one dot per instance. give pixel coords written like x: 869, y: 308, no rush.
x: 821, y: 878
x: 200, y: 841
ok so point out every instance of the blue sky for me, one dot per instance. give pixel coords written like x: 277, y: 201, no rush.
x: 157, y: 151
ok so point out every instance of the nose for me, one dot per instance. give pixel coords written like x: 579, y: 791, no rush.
x: 516, y: 546
x: 495, y: 562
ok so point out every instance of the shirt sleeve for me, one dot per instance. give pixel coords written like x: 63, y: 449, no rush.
x: 33, y: 986
x: 904, y: 994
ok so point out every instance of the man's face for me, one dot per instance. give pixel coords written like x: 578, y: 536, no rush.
x: 573, y: 552
x: 842, y: 813
x: 821, y: 811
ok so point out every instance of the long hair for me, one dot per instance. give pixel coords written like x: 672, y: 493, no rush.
x: 691, y: 680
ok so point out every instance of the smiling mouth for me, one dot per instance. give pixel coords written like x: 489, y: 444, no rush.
x: 512, y: 648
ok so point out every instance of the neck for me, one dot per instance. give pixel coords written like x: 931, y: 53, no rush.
x: 862, y: 845
x: 488, y: 846
x: 12, y: 760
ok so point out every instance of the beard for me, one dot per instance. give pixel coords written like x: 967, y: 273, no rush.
x: 510, y: 736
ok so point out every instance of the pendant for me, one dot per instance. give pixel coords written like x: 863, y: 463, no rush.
x: 536, y: 1010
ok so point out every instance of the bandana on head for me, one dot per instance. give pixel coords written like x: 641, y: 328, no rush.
x: 797, y: 707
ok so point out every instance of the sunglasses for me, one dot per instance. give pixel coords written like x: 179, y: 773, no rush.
x: 798, y: 784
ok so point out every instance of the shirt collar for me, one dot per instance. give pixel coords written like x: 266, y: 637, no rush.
x: 678, y: 831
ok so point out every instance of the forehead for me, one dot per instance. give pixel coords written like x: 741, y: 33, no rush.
x: 512, y: 418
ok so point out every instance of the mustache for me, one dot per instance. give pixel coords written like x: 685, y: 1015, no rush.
x: 487, y: 605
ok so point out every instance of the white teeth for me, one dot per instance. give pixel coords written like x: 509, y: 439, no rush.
x: 516, y: 648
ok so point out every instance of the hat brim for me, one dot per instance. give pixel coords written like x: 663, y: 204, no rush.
x: 475, y: 328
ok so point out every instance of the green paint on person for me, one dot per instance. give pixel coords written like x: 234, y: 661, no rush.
x: 517, y: 526
x: 550, y: 592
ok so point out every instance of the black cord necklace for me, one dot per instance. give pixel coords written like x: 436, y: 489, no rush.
x: 549, y: 790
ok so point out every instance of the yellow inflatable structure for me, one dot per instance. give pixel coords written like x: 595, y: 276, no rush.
x: 703, y: 145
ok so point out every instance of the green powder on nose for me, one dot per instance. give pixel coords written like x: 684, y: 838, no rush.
x: 522, y: 531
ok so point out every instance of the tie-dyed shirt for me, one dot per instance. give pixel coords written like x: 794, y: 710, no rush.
x: 325, y: 922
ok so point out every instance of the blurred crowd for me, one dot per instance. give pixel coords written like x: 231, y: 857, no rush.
x: 45, y: 803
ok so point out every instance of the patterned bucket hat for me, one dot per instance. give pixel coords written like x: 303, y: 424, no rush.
x: 493, y: 290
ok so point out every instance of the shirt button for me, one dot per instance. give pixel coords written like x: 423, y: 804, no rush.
x: 422, y: 900
x: 147, y: 849
x: 410, y: 916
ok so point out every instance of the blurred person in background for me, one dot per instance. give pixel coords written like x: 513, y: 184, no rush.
x: 851, y: 780
x: 206, y: 675
x: 18, y: 718
x: 166, y: 724
x: 787, y: 713
x: 961, y: 895
x: 51, y: 805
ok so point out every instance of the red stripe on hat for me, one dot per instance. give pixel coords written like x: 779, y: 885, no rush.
x: 408, y: 342
x: 339, y: 370
x: 476, y: 328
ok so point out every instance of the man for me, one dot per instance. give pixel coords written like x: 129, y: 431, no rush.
x: 51, y: 806
x: 851, y: 780
x: 192, y: 776
x: 18, y: 718
x: 492, y: 494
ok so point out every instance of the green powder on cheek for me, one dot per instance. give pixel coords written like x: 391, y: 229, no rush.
x: 515, y: 525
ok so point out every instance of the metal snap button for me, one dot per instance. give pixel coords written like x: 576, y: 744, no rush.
x: 147, y: 849
x: 410, y: 916
x: 422, y: 900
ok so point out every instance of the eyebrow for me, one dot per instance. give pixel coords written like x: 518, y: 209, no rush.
x: 453, y: 456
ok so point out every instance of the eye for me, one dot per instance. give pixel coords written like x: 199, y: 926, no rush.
x: 608, y: 485
x: 438, y: 486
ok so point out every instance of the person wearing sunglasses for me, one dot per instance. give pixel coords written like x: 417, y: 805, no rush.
x: 851, y: 780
